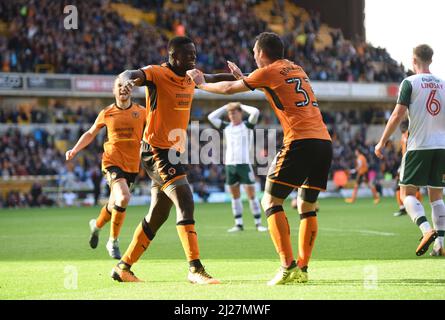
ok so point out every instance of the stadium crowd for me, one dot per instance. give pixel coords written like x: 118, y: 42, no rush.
x: 103, y: 44
x: 39, y: 153
x: 107, y: 44
x: 56, y: 113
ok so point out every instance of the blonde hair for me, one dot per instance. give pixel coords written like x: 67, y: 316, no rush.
x: 232, y: 106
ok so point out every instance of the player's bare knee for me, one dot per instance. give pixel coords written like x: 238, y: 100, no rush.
x: 406, y: 191
x: 300, y: 204
x: 435, y: 194
x: 402, y: 194
x: 235, y: 191
x: 126, y: 198
x: 306, y: 207
x: 265, y: 202
x: 268, y: 201
x: 250, y: 191
x: 122, y: 199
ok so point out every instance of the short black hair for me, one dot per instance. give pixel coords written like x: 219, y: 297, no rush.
x: 271, y: 44
x: 177, y: 42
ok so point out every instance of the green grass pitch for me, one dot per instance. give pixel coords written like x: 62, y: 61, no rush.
x: 362, y: 252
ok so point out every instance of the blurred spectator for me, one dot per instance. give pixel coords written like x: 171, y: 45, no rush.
x: 36, y: 194
x: 36, y: 154
x: 69, y: 198
x: 54, y: 113
x: 96, y: 177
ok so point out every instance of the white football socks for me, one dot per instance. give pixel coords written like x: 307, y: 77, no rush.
x: 415, y: 210
x: 438, y: 214
x: 237, y: 210
x: 256, y: 210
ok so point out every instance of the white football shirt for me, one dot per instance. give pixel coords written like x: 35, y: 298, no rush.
x: 238, y: 142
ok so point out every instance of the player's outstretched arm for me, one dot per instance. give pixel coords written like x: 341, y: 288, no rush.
x: 83, y: 142
x: 224, y: 87
x: 131, y: 78
x: 137, y: 76
x: 396, y: 117
x: 236, y: 74
x: 218, y: 77
x: 215, y: 116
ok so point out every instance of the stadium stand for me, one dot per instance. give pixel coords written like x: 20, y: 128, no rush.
x: 118, y: 36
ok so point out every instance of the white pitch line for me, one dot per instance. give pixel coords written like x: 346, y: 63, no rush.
x: 377, y: 233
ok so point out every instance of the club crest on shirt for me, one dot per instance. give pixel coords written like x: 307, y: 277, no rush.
x: 135, y: 114
x: 171, y: 171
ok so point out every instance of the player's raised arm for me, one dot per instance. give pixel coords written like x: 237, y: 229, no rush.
x: 215, y: 116
x: 137, y: 76
x: 218, y: 77
x: 83, y: 142
x: 131, y: 78
x: 397, y: 116
x: 253, y: 112
x: 235, y: 70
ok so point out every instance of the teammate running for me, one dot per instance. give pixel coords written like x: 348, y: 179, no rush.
x: 239, y: 170
x: 124, y: 121
x: 361, y: 168
x: 305, y: 158
x: 423, y: 97
x: 169, y: 94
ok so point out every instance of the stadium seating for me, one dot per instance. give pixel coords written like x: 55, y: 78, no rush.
x: 126, y: 35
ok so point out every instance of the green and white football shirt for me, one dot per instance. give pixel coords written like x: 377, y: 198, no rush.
x: 424, y: 95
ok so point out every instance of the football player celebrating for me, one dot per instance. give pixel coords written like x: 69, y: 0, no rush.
x: 169, y: 95
x: 124, y: 121
x: 305, y: 158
